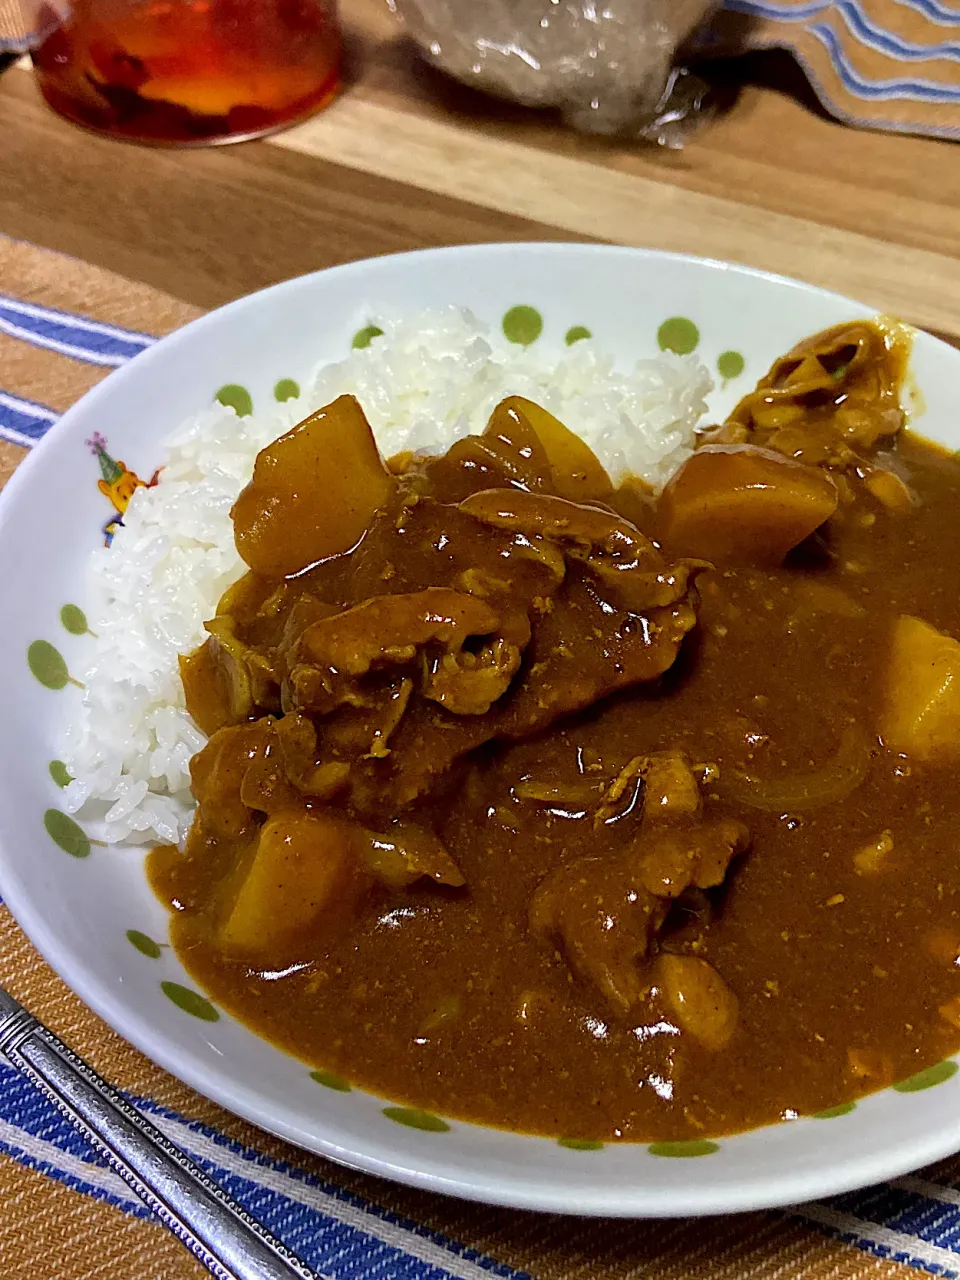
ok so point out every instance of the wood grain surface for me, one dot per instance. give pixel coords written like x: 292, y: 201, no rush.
x: 207, y: 225
x: 771, y: 147
x: 771, y: 181
x: 406, y: 158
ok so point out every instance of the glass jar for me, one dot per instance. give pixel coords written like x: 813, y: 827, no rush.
x: 187, y: 71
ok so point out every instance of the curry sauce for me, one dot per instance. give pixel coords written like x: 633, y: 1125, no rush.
x: 564, y: 808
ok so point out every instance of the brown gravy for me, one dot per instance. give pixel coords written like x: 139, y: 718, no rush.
x: 833, y: 921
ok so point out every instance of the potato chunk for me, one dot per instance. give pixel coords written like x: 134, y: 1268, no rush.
x: 699, y: 998
x: 921, y: 711
x: 280, y: 523
x: 578, y: 473
x: 304, y: 866
x: 742, y: 505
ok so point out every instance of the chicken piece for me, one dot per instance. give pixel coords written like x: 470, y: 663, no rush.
x: 697, y: 855
x: 605, y: 923
x: 676, y: 849
x: 579, y: 527
x: 614, y: 549
x: 588, y: 647
x: 467, y: 683
x: 830, y: 403
x: 422, y: 542
x: 250, y: 769
x: 217, y: 773
x: 577, y: 472
x: 508, y: 454
x: 297, y: 741
x: 393, y: 711
x: 279, y: 526
x: 670, y: 789
x: 851, y: 372
x: 226, y: 678
x: 304, y: 867
x: 295, y: 619
x: 625, y: 595
x: 248, y: 666
x: 607, y: 913
x: 584, y: 648
x: 698, y: 998
x: 424, y: 753
x: 920, y: 712
x: 742, y: 505
x: 390, y: 631
x: 265, y: 786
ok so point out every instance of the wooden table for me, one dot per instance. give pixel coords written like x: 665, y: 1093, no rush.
x: 405, y: 159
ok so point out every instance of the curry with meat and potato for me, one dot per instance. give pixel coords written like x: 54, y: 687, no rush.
x: 566, y: 808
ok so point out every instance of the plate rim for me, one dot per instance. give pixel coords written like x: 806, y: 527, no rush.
x: 746, y: 1193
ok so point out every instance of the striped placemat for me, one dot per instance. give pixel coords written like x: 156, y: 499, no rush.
x: 882, y: 64
x: 63, y: 326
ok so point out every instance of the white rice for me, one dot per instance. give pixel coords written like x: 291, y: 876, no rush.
x: 432, y: 378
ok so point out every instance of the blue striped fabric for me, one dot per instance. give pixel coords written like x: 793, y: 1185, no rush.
x: 894, y: 87
x: 335, y: 1231
x: 345, y: 1235
x: 23, y: 422
x: 877, y: 37
x: 934, y: 9
x: 860, y: 22
x: 75, y: 336
x: 886, y: 64
x: 941, y: 13
x: 862, y: 26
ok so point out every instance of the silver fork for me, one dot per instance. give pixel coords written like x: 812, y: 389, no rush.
x: 226, y: 1239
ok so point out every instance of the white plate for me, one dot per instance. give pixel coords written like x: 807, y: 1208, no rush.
x: 78, y: 910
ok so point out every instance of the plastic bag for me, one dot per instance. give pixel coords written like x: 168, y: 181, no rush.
x: 608, y: 66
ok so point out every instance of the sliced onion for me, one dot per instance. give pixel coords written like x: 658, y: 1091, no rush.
x: 835, y: 780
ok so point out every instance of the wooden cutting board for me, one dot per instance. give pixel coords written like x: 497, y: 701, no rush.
x: 406, y: 158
